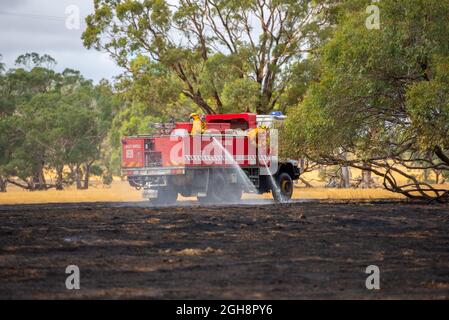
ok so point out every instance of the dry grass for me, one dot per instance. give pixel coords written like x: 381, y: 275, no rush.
x: 121, y: 191
x: 345, y: 194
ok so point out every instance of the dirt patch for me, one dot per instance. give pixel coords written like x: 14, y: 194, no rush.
x: 192, y: 252
x: 290, y: 251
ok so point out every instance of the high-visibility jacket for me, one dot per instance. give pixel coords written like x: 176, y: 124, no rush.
x: 254, y: 133
x: 252, y: 136
x: 197, y: 127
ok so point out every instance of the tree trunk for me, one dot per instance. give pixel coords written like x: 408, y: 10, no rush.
x: 426, y: 175
x: 441, y: 155
x: 3, y: 183
x: 30, y: 183
x: 59, y: 178
x: 302, y: 165
x: 218, y: 102
x: 38, y: 180
x: 78, y: 174
x: 87, y: 176
x: 437, y: 176
x: 345, y: 175
x: 198, y: 99
x: 193, y: 94
x: 366, y: 177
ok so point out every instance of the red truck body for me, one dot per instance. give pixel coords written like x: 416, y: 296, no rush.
x: 177, y: 162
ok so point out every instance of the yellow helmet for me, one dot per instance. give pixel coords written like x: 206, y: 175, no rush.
x: 194, y: 115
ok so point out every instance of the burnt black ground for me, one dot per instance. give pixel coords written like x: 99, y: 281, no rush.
x: 272, y: 251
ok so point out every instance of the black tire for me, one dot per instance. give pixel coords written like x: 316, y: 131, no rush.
x: 284, y: 190
x: 214, y: 190
x: 221, y: 192
x: 234, y: 193
x: 165, y: 196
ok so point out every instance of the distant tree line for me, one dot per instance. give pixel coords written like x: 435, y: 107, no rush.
x: 52, y: 122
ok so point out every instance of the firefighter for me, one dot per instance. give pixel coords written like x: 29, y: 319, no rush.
x: 199, y: 126
x: 252, y: 134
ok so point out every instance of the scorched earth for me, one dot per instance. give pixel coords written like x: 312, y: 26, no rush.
x: 267, y: 251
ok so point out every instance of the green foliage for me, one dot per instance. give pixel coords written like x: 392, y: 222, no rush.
x: 51, y: 121
x: 30, y: 60
x: 298, y: 79
x: 382, y: 94
x: 152, y: 86
x: 207, y: 47
x: 240, y: 95
x: 428, y: 106
x: 365, y: 76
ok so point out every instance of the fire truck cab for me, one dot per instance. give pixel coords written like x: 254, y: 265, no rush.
x: 217, y: 166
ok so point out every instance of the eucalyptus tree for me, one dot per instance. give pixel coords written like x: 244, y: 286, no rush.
x: 382, y: 98
x: 218, y: 52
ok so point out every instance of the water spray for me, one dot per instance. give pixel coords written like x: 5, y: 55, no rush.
x: 249, y: 185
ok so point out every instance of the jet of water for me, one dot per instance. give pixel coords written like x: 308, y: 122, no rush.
x: 249, y: 186
x: 274, y: 184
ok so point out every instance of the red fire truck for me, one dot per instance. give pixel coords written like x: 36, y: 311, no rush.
x: 216, y: 166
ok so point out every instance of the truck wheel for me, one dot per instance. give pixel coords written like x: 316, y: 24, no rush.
x: 233, y: 193
x: 215, y: 192
x: 221, y: 192
x: 165, y: 196
x: 284, y: 190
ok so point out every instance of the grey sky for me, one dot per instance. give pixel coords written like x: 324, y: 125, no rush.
x: 40, y: 26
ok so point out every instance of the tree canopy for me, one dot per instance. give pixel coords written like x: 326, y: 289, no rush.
x: 382, y: 97
x: 50, y: 121
x: 224, y: 55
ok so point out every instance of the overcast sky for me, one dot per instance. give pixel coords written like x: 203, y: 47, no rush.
x: 40, y: 26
